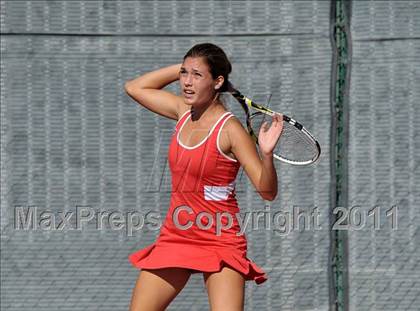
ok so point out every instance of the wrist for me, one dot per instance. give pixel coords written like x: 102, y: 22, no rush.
x: 267, y: 155
x: 175, y: 69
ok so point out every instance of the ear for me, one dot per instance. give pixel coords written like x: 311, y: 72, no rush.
x: 219, y: 82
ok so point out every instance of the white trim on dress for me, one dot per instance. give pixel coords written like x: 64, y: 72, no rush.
x: 180, y: 118
x: 208, y: 135
x: 217, y: 141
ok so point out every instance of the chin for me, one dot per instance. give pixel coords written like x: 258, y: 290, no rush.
x: 191, y: 102
x: 187, y: 102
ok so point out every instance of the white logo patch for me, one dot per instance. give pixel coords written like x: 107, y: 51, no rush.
x: 218, y: 193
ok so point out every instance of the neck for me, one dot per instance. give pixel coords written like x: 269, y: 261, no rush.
x: 209, y: 109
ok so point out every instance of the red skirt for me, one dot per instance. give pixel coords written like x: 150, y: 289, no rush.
x: 197, y: 259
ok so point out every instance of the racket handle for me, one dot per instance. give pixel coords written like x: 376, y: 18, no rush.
x: 292, y: 122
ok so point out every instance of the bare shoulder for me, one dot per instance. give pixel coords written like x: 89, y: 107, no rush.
x: 182, y: 108
x: 235, y: 129
x: 238, y: 141
x: 234, y: 134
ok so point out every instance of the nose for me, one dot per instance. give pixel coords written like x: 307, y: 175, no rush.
x: 188, y: 80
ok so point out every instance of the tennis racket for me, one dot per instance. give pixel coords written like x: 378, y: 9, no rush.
x: 295, y: 146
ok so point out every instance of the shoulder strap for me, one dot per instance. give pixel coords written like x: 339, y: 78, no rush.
x: 182, y: 119
x: 221, y: 122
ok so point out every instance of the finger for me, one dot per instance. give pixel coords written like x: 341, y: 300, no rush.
x: 280, y: 116
x: 264, y: 126
x: 276, y: 119
x: 279, y: 121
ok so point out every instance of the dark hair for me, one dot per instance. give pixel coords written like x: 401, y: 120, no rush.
x: 215, y: 58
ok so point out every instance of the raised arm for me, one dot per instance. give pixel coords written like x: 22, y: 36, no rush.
x: 260, y: 170
x: 146, y: 90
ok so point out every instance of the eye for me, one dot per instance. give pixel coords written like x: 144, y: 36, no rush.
x: 197, y: 74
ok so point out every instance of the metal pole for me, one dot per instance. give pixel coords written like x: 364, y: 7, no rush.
x: 340, y: 81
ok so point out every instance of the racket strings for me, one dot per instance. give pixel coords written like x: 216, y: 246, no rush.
x: 294, y: 144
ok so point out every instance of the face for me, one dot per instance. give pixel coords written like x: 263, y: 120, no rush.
x: 196, y: 82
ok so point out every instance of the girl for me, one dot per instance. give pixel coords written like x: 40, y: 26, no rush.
x: 208, y: 146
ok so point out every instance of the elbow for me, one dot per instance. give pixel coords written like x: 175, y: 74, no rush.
x: 132, y: 87
x: 269, y: 196
x: 127, y: 87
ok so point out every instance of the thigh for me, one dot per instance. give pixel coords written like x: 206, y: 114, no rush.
x: 226, y: 289
x: 155, y: 289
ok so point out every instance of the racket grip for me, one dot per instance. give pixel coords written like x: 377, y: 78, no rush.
x: 292, y: 122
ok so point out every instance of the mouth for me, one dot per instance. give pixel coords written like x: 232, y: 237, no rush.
x: 188, y: 93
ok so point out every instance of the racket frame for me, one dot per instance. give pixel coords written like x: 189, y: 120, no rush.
x: 247, y: 103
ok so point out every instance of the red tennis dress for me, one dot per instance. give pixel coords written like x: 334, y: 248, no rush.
x: 201, y: 231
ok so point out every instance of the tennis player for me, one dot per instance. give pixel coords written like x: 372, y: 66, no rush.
x: 207, y: 148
